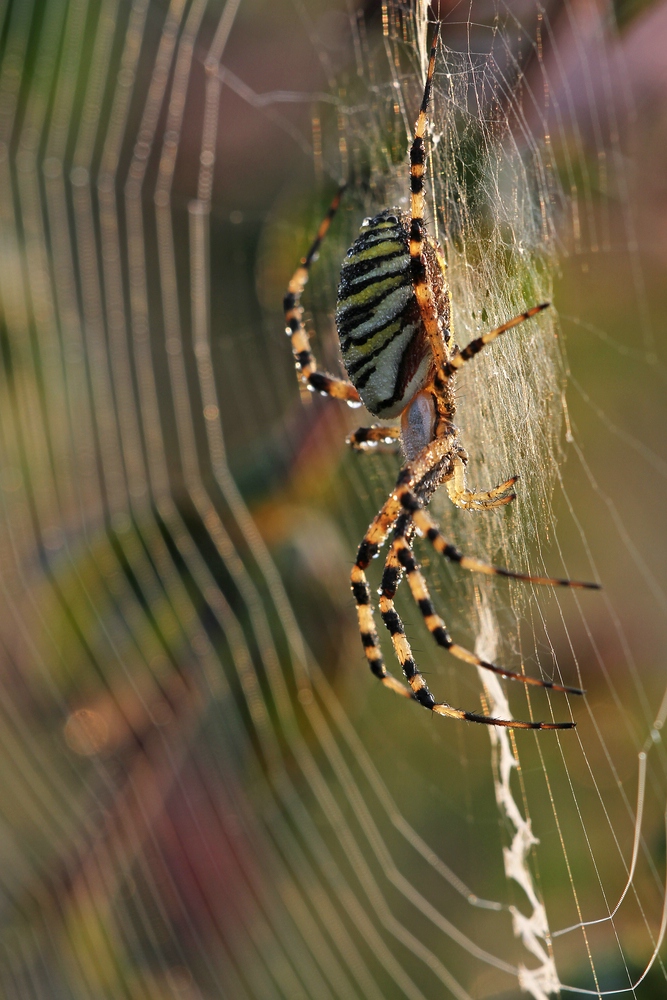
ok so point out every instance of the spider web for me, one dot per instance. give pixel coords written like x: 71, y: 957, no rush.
x: 204, y: 793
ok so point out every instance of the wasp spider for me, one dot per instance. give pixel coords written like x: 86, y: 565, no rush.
x: 393, y: 319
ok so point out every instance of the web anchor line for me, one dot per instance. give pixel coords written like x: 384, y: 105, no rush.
x: 639, y: 813
x: 656, y: 951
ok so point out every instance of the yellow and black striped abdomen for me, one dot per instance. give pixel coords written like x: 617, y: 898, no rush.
x: 385, y: 350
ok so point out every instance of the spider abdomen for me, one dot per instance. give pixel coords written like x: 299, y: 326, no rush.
x: 385, y: 349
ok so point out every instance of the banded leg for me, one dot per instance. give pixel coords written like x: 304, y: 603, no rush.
x: 430, y: 530
x: 367, y: 438
x: 461, y: 496
x: 375, y: 537
x: 422, y: 287
x: 401, y: 554
x: 306, y: 365
x: 475, y: 346
x: 418, y: 686
x: 372, y: 542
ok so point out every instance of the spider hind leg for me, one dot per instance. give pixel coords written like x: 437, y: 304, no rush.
x: 394, y: 565
x: 401, y: 554
x: 427, y: 526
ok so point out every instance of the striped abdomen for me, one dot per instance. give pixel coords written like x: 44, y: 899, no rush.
x: 385, y: 349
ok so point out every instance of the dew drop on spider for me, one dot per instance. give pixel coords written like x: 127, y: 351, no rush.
x: 354, y: 403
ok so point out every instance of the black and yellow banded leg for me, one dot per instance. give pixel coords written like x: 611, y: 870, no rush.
x: 461, y: 496
x: 368, y: 632
x: 393, y: 571
x: 368, y: 438
x: 400, y: 556
x: 372, y: 542
x: 396, y: 561
x: 401, y: 553
x: 385, y: 519
x: 391, y: 577
x: 475, y: 346
x: 306, y: 365
x: 430, y: 530
x: 422, y: 287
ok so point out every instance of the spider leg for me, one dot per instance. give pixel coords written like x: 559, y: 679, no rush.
x: 429, y: 528
x: 375, y: 537
x: 367, y: 438
x: 475, y: 346
x: 461, y: 496
x: 372, y: 542
x: 401, y: 555
x: 370, y: 546
x: 306, y: 365
x: 422, y: 287
x: 418, y: 686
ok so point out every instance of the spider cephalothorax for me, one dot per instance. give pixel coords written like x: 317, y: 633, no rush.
x: 393, y: 319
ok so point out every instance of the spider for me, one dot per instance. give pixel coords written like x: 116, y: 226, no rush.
x: 393, y: 320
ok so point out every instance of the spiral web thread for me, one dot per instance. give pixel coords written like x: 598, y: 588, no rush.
x: 187, y: 808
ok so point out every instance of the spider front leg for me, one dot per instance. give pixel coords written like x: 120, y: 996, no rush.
x: 461, y: 496
x: 479, y: 343
x: 399, y: 559
x: 306, y: 365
